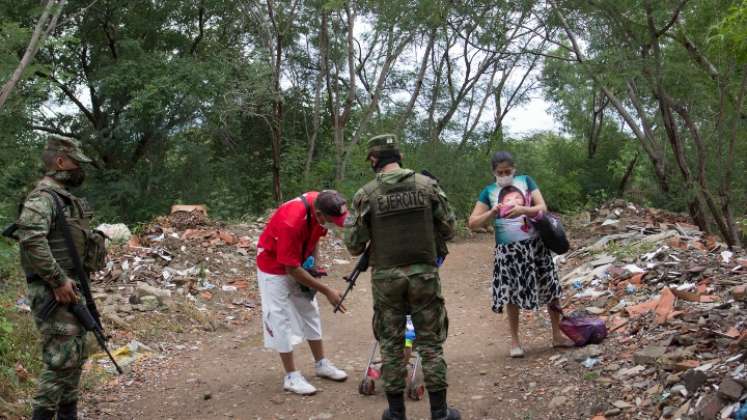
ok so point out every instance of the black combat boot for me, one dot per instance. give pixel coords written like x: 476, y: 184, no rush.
x: 439, y: 409
x: 68, y: 411
x: 396, y: 410
x: 42, y: 414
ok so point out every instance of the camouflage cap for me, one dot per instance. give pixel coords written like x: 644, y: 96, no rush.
x: 382, y: 142
x: 68, y: 146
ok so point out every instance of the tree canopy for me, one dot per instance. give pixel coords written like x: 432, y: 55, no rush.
x: 241, y: 104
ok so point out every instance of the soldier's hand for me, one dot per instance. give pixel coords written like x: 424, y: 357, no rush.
x: 66, y: 293
x: 334, y: 297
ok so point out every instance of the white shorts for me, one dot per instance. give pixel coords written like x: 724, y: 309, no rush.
x: 288, y: 316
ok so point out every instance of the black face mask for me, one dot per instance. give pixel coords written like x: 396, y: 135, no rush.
x: 72, y: 178
x: 383, y: 161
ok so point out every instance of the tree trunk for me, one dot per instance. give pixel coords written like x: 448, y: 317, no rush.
x: 277, y: 106
x: 418, y: 82
x: 393, y: 52
x: 316, y: 119
x: 597, y: 121
x: 628, y: 175
x: 332, y: 93
x: 42, y: 29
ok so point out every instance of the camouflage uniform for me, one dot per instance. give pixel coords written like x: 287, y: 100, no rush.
x: 413, y: 288
x: 44, y: 258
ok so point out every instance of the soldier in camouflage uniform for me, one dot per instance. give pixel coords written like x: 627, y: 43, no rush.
x: 49, y: 270
x: 406, y: 218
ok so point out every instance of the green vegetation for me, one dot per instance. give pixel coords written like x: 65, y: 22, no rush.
x: 18, y: 338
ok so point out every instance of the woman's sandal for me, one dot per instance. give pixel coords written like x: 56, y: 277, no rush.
x: 517, y: 352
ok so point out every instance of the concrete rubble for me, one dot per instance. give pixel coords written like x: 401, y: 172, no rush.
x: 673, y: 299
x: 183, y: 257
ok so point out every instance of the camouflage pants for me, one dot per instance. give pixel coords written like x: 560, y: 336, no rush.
x: 63, y: 357
x: 396, y: 292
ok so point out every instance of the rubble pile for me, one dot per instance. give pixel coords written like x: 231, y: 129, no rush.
x: 185, y: 256
x: 674, y: 301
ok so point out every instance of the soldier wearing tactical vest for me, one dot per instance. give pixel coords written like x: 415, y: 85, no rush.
x: 49, y: 269
x: 406, y: 218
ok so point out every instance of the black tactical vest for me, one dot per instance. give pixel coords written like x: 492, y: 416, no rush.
x: 78, y: 217
x: 401, y: 217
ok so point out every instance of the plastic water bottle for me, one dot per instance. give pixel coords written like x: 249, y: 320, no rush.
x: 741, y: 414
x: 409, y: 332
x: 309, y: 263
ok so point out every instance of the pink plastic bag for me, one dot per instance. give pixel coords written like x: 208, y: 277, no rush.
x: 582, y: 330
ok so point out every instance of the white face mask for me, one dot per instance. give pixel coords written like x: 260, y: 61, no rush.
x: 504, y: 181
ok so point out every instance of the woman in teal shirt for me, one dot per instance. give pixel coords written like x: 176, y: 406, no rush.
x: 524, y: 275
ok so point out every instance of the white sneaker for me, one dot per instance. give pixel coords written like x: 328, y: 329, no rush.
x: 296, y: 383
x: 325, y: 369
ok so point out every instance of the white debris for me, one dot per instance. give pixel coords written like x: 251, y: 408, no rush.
x: 117, y: 233
x: 634, y: 269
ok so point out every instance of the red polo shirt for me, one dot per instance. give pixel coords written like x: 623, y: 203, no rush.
x: 281, y: 243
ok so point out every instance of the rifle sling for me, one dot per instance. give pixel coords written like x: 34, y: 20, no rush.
x: 74, y: 256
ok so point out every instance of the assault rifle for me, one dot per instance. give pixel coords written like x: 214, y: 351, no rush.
x: 87, y: 315
x: 360, y: 266
x: 9, y: 231
x: 80, y: 271
x: 83, y: 316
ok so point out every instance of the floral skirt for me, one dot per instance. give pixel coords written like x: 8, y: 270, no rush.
x: 524, y: 275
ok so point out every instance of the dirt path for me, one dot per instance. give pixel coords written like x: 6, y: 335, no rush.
x: 230, y: 375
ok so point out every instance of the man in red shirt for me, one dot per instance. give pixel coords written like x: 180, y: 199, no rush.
x: 286, y: 253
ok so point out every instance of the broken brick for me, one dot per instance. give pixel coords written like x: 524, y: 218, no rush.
x: 642, y: 308
x: 637, y: 279
x: 709, y: 407
x: 665, y: 306
x: 732, y: 332
x: 686, y: 364
x: 685, y: 295
x: 730, y: 389
x: 708, y: 299
x: 739, y: 292
x: 649, y: 355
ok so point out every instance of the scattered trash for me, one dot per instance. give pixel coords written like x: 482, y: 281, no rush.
x: 22, y: 305
x: 117, y: 233
x: 673, y: 300
x: 590, y: 362
x: 125, y: 356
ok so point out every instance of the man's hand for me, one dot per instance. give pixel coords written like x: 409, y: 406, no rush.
x: 334, y: 297
x: 66, y: 293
